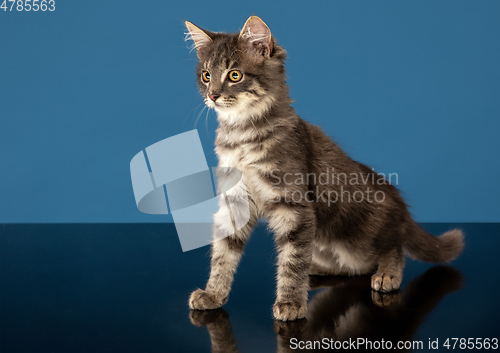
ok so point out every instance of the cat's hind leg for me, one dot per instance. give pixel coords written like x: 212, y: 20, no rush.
x: 390, y: 271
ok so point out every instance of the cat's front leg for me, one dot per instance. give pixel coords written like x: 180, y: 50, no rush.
x: 226, y: 254
x: 294, y: 227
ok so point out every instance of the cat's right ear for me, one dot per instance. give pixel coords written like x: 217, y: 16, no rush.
x: 200, y: 38
x: 256, y: 38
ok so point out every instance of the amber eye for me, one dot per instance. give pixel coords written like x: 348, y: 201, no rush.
x: 235, y: 76
x: 205, y: 76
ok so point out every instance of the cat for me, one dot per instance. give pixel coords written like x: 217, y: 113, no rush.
x: 324, y: 223
x: 343, y: 312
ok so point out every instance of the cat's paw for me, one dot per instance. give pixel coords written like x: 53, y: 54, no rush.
x: 385, y: 300
x: 289, y: 311
x: 201, y: 300
x: 385, y: 282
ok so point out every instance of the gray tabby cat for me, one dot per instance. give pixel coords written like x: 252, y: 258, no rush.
x: 324, y: 223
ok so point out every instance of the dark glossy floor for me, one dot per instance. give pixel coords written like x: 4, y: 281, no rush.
x: 124, y: 288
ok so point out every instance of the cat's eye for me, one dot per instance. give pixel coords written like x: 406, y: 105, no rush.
x: 235, y: 76
x: 205, y: 76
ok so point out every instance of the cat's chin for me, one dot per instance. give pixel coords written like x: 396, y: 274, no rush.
x: 244, y: 110
x: 230, y: 115
x: 226, y: 110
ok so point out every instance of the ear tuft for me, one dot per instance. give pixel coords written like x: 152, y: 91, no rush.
x: 256, y: 37
x: 200, y: 38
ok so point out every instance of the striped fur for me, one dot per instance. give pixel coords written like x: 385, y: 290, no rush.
x: 260, y: 135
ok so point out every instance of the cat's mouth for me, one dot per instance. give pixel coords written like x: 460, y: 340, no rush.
x: 221, y: 104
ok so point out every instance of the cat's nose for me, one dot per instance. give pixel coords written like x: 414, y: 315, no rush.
x: 214, y: 97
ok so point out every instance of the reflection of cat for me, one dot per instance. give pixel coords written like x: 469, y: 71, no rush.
x: 345, y: 312
x: 332, y: 226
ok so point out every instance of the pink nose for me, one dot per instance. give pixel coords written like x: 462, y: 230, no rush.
x: 214, y: 97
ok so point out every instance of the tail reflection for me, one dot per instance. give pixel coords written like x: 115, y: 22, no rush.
x: 346, y: 310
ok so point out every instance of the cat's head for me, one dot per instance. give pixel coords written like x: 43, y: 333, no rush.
x: 239, y: 75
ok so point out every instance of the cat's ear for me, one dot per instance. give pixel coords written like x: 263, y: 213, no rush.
x: 200, y: 38
x: 256, y: 37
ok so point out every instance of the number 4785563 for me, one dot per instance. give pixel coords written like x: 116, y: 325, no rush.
x: 28, y: 5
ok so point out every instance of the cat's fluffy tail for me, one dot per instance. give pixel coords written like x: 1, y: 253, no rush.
x: 425, y: 247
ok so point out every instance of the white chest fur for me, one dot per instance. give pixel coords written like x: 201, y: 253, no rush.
x: 247, y: 159
x: 231, y: 158
x: 241, y: 157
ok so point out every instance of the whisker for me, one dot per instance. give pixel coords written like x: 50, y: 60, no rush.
x: 206, y: 125
x: 198, y: 117
x: 257, y: 132
x: 190, y: 112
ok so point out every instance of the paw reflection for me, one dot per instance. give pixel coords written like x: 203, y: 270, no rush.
x: 205, y: 317
x: 386, y: 299
x: 289, y: 328
x: 347, y: 308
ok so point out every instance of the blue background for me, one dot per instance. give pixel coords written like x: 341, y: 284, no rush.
x: 408, y: 87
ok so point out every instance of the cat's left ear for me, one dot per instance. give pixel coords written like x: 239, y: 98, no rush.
x: 256, y: 37
x: 200, y: 38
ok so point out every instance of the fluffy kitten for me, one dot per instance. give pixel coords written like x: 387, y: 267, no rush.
x: 324, y: 223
